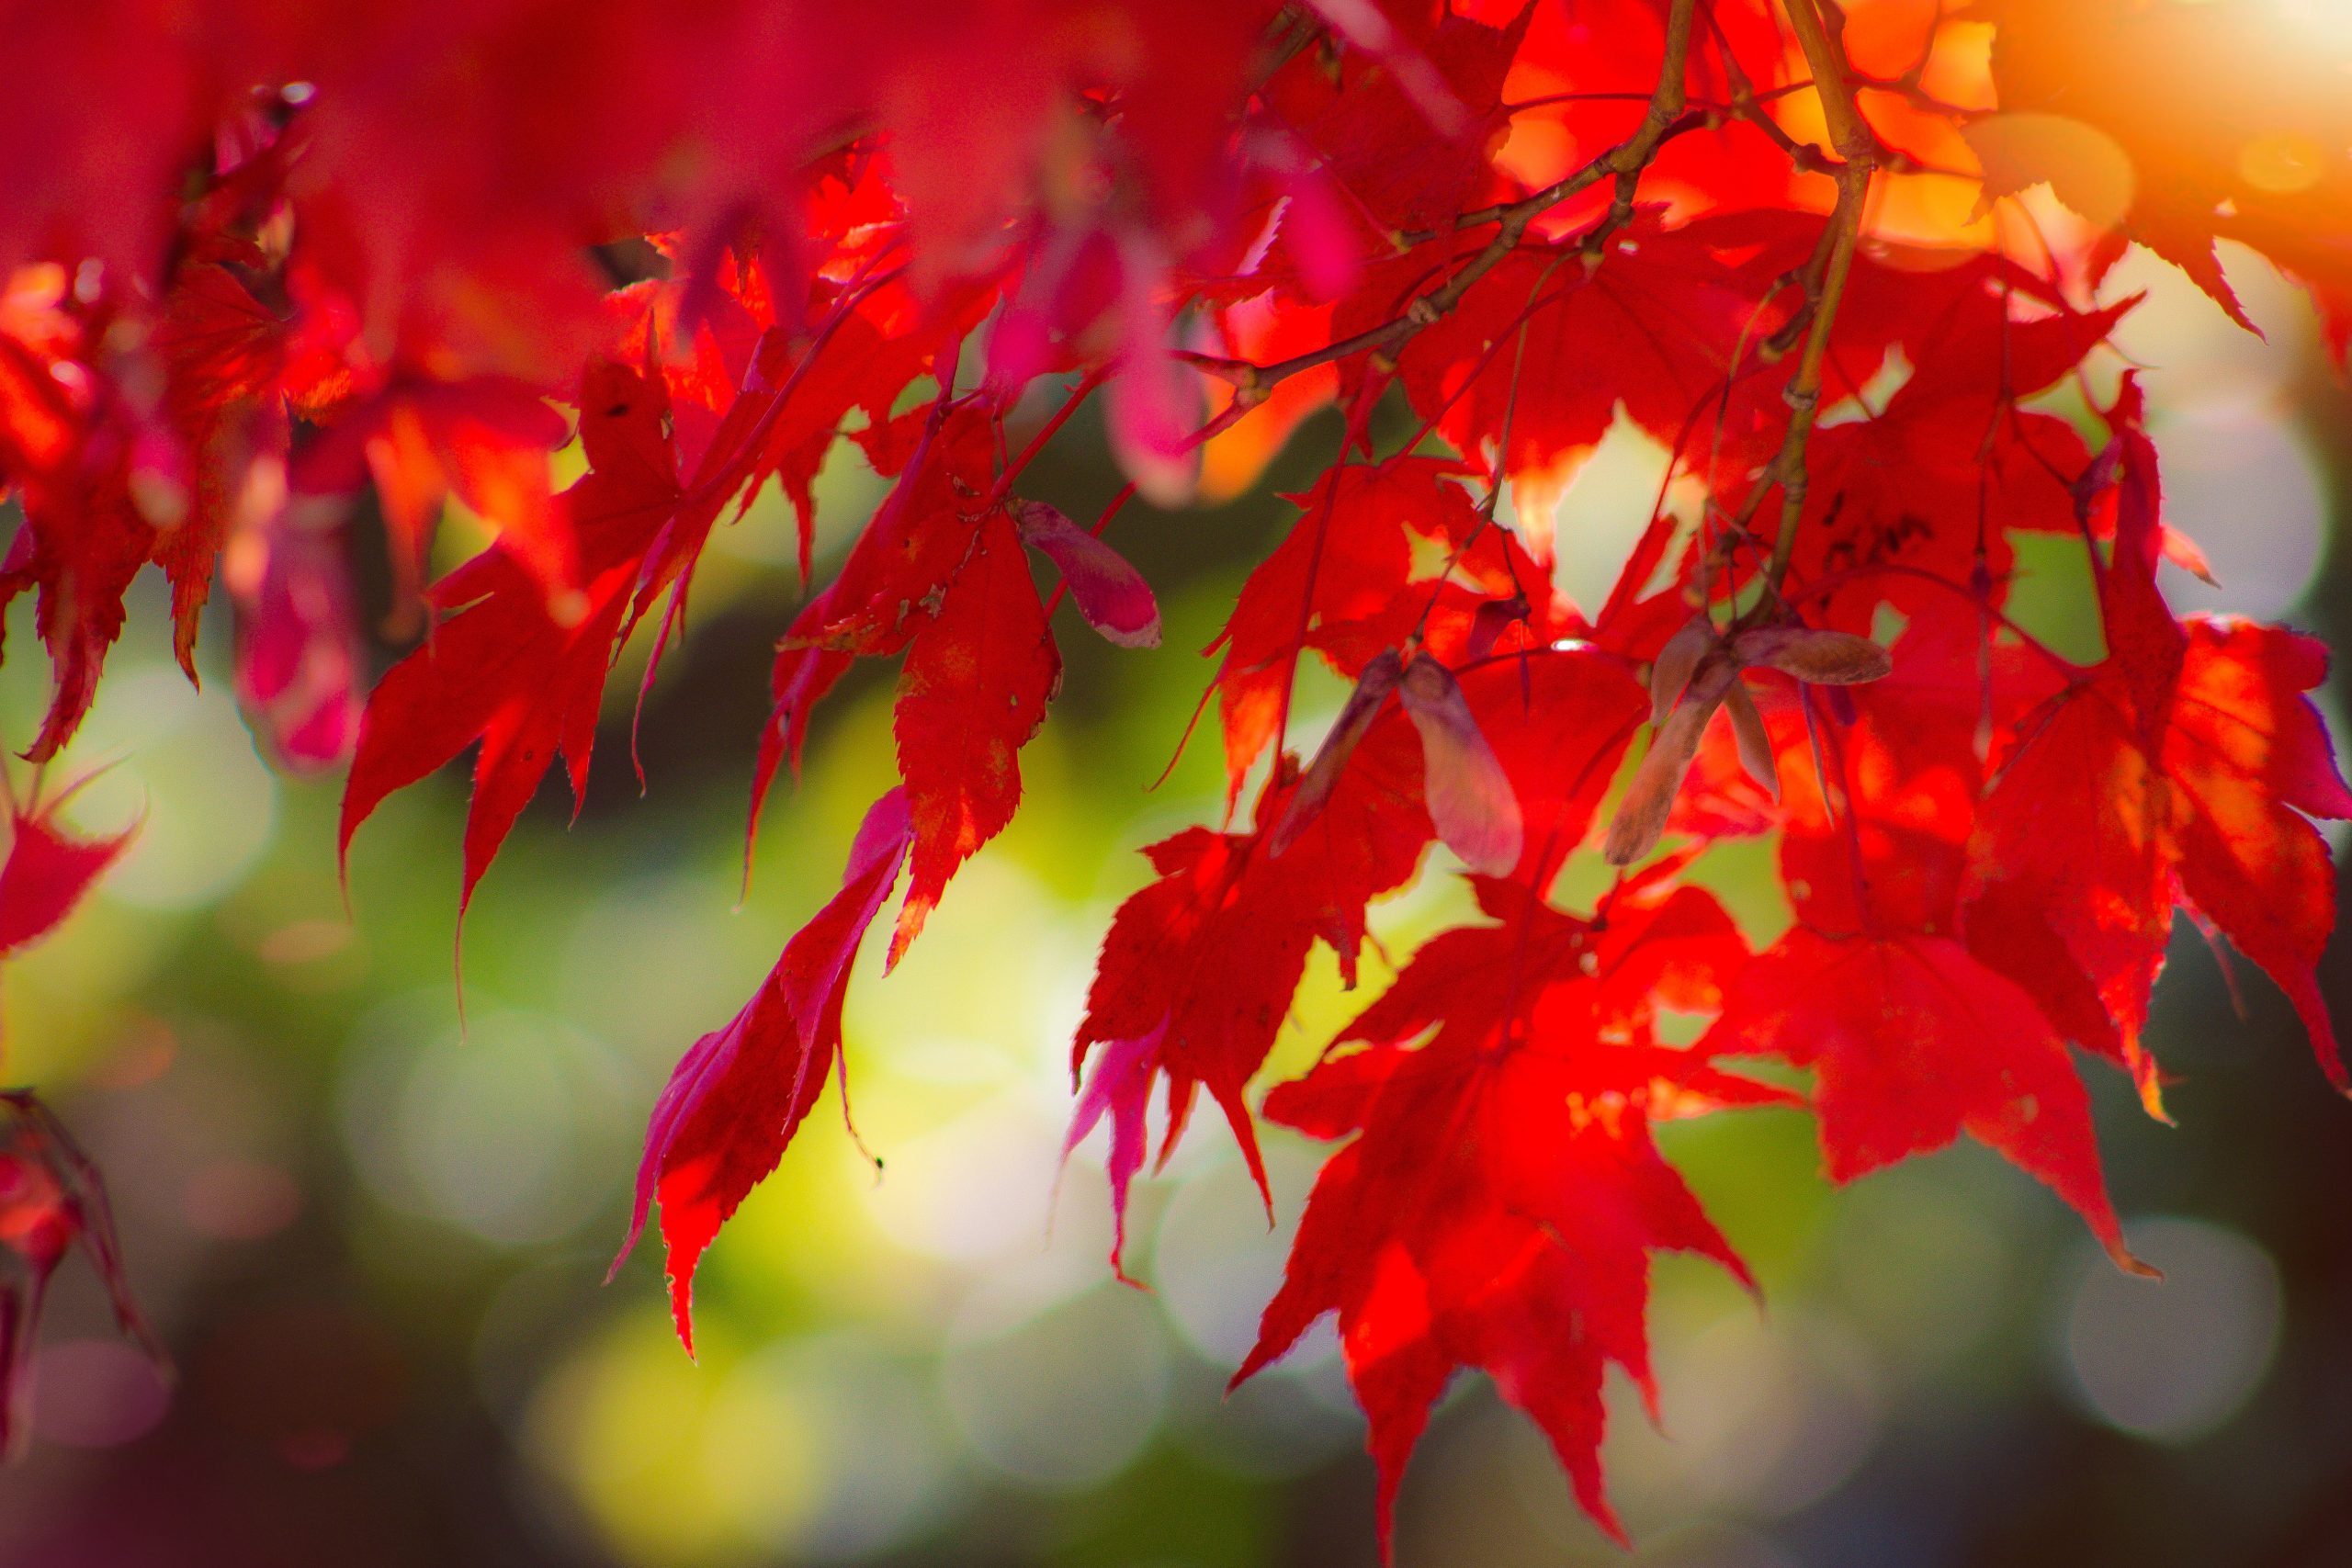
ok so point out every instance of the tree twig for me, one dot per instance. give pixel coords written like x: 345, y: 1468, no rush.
x: 1666, y: 118
x: 1858, y: 147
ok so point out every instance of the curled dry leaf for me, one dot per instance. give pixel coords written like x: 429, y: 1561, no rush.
x: 1470, y: 799
x: 1111, y: 593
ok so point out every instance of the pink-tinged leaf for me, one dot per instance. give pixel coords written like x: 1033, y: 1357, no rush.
x: 1470, y: 800
x: 1754, y: 741
x: 1321, y: 235
x: 1363, y: 705
x: 1109, y: 593
x: 1119, y: 1090
x: 738, y: 1094
x: 298, y: 631
x: 1155, y: 400
x: 47, y: 872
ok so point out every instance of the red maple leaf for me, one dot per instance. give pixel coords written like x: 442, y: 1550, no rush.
x: 2181, y: 768
x: 739, y: 1093
x: 1913, y: 1042
x: 977, y: 677
x: 49, y: 868
x: 1502, y: 1195
x: 500, y: 670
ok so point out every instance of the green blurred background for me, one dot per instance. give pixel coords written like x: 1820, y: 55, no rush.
x: 375, y: 1244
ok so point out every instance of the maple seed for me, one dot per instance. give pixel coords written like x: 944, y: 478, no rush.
x: 1820, y: 657
x: 1649, y: 797
x: 1755, y: 744
x: 1695, y: 673
x: 1109, y: 593
x: 1676, y: 662
x: 1379, y: 678
x: 1469, y: 797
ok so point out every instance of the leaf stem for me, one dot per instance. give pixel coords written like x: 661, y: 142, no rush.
x: 1825, y: 288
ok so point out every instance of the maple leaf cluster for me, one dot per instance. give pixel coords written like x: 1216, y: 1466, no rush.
x: 263, y: 263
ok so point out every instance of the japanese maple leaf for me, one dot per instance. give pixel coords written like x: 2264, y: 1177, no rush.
x: 108, y: 482
x: 1934, y: 481
x: 299, y: 664
x: 1501, y: 1196
x: 223, y: 353
x: 2184, y: 766
x: 770, y: 383
x: 485, y: 440
x: 1877, y: 805
x: 78, y: 556
x: 885, y: 341
x: 892, y: 583
x: 2184, y: 125
x: 47, y: 870
x: 1198, y: 969
x: 72, y: 461
x: 1510, y: 368
x: 1377, y: 139
x: 974, y: 690
x: 738, y: 1094
x: 1913, y: 1042
x: 53, y: 1201
x: 2105, y: 813
x: 500, y: 670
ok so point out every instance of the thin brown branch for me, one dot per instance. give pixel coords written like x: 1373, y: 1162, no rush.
x: 1858, y: 147
x: 1666, y: 118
